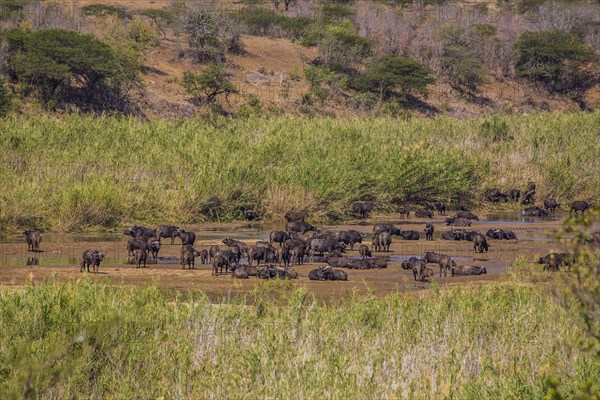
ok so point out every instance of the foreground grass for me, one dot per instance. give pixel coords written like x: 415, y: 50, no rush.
x: 76, y: 172
x: 89, y: 340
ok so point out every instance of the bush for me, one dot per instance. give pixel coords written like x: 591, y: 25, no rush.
x: 101, y: 10
x: 211, y: 36
x: 462, y: 67
x: 394, y: 75
x: 264, y: 22
x: 65, y: 66
x: 158, y: 16
x: 556, y: 59
x: 341, y: 47
x: 11, y: 8
x: 208, y: 84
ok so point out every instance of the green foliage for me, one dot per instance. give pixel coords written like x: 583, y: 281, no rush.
x: 211, y: 35
x: 158, y: 15
x: 340, y: 47
x: 420, y: 159
x: 394, y: 75
x: 208, y: 84
x: 12, y: 8
x: 85, y: 339
x: 265, y: 22
x: 101, y: 10
x: 321, y: 78
x: 57, y: 64
x: 556, y: 59
x: 463, y: 68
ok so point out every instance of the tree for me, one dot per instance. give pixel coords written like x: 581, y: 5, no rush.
x: 556, y: 59
x: 65, y: 66
x: 211, y: 36
x: 340, y: 47
x: 208, y: 84
x: 394, y: 74
x: 459, y: 62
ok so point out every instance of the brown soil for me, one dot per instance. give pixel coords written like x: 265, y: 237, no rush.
x: 60, y: 253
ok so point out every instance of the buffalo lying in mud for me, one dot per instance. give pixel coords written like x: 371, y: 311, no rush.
x: 468, y: 270
x: 500, y: 234
x: 535, y: 211
x: 458, y: 221
x: 301, y: 227
x: 326, y: 273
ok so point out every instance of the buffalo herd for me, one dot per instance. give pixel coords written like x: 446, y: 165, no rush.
x: 301, y: 241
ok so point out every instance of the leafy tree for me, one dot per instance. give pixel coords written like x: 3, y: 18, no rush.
x: 341, y: 47
x: 461, y: 65
x: 208, y: 84
x: 11, y: 8
x: 211, y: 36
x: 556, y: 59
x: 393, y: 74
x: 65, y: 66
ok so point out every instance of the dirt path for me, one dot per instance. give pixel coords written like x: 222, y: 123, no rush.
x: 60, y: 257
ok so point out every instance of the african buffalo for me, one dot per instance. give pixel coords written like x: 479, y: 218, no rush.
x: 391, y: 229
x: 410, y: 235
x: 213, y: 250
x: 140, y: 256
x: 551, y: 205
x: 427, y: 274
x: 350, y: 237
x: 135, y: 244
x: 301, y: 227
x: 186, y: 237
x: 466, y: 214
x: 552, y: 262
x: 283, y: 255
x: 385, y: 240
x: 295, y: 216
x: 500, y: 234
x: 429, y: 229
x: 535, y: 211
x: 278, y: 237
x: 424, y: 214
x: 91, y: 258
x: 362, y: 208
x: 440, y: 206
x: 514, y: 195
x: 219, y: 263
x: 324, y: 245
x: 494, y: 195
x: 166, y: 231
x: 579, y: 206
x: 416, y: 264
x: 317, y: 274
x: 480, y: 244
x: 454, y: 234
x: 203, y: 254
x: 232, y: 242
x: 33, y: 240
x: 240, y: 272
x: 458, y: 221
x: 445, y: 262
x: 529, y: 194
x: 468, y: 270
x: 251, y: 215
x: 137, y: 231
x: 364, y: 251
x: 404, y: 212
x: 154, y: 247
x: 297, y: 254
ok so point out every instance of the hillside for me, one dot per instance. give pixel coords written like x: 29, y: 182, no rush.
x: 472, y: 73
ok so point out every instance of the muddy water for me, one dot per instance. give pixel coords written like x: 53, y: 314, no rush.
x: 60, y: 254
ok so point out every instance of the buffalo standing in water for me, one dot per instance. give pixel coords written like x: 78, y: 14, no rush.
x: 33, y: 240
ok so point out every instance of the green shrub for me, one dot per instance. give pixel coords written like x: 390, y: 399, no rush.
x: 394, y: 75
x: 556, y: 59
x: 157, y: 15
x: 101, y: 10
x: 211, y: 35
x: 12, y: 8
x: 208, y: 84
x: 264, y: 22
x: 65, y: 66
x: 340, y: 47
x: 463, y: 68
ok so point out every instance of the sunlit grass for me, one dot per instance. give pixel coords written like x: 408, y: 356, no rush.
x: 76, y: 172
